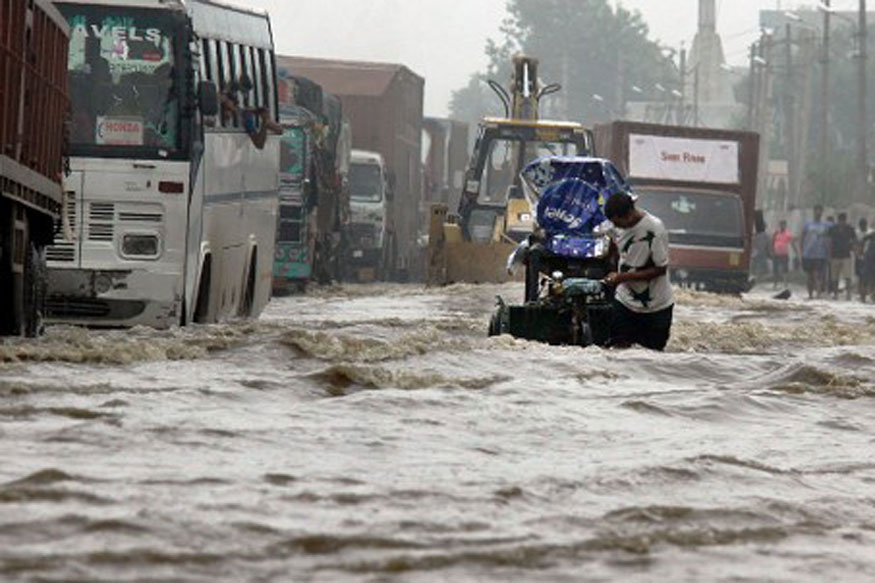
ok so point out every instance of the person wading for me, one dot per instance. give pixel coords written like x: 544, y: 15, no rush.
x: 815, y: 252
x: 843, y: 241
x: 644, y: 302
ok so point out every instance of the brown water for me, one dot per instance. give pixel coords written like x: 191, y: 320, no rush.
x: 376, y: 434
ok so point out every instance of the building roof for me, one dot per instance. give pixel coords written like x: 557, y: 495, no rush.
x: 347, y: 77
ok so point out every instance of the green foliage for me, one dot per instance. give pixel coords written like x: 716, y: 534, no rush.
x: 586, y: 45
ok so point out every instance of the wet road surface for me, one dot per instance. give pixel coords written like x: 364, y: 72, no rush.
x: 374, y: 433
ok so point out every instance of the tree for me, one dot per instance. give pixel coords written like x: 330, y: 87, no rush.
x: 587, y: 46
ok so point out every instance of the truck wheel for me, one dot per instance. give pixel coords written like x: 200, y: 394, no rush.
x: 202, y: 304
x: 34, y: 296
x: 247, y: 305
x: 494, y: 325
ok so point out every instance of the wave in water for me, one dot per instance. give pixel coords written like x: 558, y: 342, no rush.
x: 343, y: 379
x: 82, y: 346
x: 762, y: 338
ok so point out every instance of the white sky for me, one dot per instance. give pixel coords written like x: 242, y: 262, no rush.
x: 443, y: 40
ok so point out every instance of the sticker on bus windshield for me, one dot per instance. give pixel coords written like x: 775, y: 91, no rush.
x: 119, y: 131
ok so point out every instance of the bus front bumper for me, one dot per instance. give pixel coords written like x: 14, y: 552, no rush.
x: 114, y: 298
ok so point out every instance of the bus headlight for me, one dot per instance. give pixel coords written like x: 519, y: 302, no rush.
x: 140, y: 246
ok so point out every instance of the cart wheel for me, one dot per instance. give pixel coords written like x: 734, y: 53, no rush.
x: 495, y: 324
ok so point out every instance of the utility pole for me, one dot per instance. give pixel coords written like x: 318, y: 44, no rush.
x: 682, y: 113
x: 752, y: 93
x: 808, y: 49
x: 764, y: 114
x: 789, y: 117
x: 862, y: 121
x: 824, y: 108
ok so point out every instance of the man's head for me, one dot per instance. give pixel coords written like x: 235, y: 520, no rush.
x: 863, y: 224
x: 783, y: 224
x: 620, y: 210
x: 843, y: 218
x: 818, y: 212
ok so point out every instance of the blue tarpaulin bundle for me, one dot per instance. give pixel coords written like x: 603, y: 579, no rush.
x: 571, y: 194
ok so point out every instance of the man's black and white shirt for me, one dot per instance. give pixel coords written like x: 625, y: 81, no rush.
x: 644, y: 245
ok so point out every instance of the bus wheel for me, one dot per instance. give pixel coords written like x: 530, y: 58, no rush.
x: 247, y: 307
x: 202, y: 305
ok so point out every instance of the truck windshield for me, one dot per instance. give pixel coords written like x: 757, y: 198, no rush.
x: 124, y: 92
x: 504, y: 163
x: 365, y: 183
x: 292, y: 159
x: 695, y: 217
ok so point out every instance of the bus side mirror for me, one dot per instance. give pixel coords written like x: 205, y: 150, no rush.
x: 208, y: 98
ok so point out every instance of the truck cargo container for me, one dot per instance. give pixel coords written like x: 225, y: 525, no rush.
x: 702, y: 184
x: 33, y: 109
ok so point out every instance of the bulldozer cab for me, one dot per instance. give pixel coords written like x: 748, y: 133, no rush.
x: 493, y: 207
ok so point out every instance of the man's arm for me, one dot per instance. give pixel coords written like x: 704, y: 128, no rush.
x: 646, y: 274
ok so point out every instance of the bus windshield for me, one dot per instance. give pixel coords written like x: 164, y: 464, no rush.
x: 123, y: 81
x: 365, y: 183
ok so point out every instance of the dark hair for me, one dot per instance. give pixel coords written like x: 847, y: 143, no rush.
x: 619, y: 204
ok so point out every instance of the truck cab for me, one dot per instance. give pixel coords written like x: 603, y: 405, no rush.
x: 369, y: 215
x: 293, y: 258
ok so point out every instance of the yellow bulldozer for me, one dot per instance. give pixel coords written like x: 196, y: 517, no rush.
x: 494, y: 216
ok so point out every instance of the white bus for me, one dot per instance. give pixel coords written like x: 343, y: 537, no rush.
x: 171, y: 198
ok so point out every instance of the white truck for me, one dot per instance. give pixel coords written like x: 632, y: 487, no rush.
x: 369, y: 237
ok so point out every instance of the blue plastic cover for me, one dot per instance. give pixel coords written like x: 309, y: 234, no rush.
x: 571, y: 192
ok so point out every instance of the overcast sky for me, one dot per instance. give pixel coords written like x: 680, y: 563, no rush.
x: 443, y: 40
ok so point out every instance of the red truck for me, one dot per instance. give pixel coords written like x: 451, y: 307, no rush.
x: 702, y: 184
x: 33, y: 109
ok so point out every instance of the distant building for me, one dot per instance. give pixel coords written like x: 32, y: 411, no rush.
x: 707, y: 98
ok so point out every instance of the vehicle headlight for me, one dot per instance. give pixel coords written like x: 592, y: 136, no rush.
x: 140, y: 245
x: 525, y: 217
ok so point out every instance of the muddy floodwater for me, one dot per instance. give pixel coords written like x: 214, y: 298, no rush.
x: 374, y: 433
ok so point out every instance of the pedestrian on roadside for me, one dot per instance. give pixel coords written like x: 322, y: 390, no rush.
x: 862, y: 232
x: 815, y: 252
x: 782, y: 241
x: 843, y: 241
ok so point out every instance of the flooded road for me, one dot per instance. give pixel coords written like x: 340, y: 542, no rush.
x: 375, y: 433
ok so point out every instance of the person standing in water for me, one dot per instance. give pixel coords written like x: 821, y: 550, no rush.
x: 643, y: 302
x: 815, y: 252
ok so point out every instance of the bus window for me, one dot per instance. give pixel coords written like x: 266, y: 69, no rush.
x: 255, y: 75
x: 206, y: 73
x: 229, y: 119
x: 262, y: 66
x: 271, y: 85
